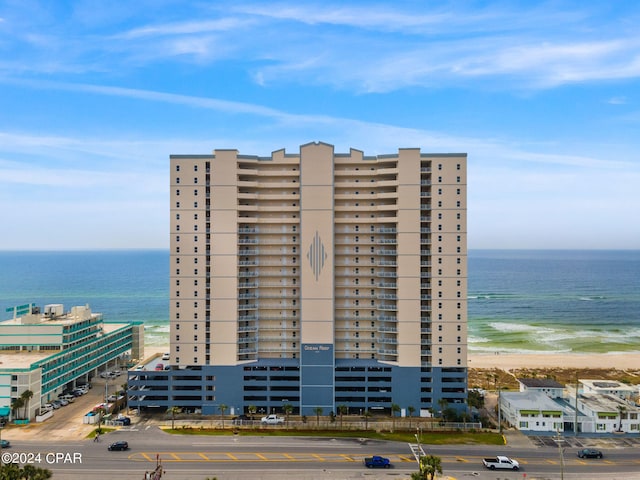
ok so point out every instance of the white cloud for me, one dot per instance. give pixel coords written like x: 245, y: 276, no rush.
x: 617, y: 101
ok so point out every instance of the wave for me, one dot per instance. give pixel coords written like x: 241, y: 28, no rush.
x: 157, y: 328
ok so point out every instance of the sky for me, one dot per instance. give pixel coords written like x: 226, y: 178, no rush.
x: 543, y: 96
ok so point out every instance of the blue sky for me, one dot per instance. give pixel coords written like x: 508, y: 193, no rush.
x: 95, y: 95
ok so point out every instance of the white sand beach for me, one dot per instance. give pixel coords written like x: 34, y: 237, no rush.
x: 619, y: 361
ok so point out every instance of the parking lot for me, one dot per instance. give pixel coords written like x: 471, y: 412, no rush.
x: 66, y: 422
x: 593, y: 441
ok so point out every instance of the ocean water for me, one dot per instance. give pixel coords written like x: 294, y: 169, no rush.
x: 519, y: 301
x: 554, y: 301
x: 120, y: 284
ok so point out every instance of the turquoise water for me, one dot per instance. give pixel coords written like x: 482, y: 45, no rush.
x: 554, y: 301
x: 519, y: 301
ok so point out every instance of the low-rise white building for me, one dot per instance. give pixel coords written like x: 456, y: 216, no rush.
x: 549, y: 387
x: 608, y: 387
x: 609, y: 413
x: 533, y: 410
x: 538, y: 406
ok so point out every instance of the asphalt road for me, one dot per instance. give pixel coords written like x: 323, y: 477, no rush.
x: 187, y: 457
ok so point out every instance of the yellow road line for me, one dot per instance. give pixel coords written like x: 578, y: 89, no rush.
x: 348, y: 458
x: 232, y: 456
x: 315, y: 455
x: 460, y: 459
x: 262, y: 457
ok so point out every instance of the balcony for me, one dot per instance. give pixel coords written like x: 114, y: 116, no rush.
x: 387, y: 307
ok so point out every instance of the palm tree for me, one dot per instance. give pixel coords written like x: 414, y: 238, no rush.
x: 26, y: 396
x: 411, y: 411
x: 395, y: 408
x: 318, y: 412
x: 173, y: 411
x: 443, y: 404
x: 342, y: 409
x: 366, y: 415
x: 287, y: 408
x: 100, y: 411
x: 621, y: 410
x: 252, y: 409
x: 223, y: 408
x: 429, y: 466
x: 16, y: 405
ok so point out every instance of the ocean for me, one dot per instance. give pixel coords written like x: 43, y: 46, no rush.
x: 519, y: 301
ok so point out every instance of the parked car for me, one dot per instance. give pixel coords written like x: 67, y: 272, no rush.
x: 589, y: 453
x: 124, y: 421
x: 166, y: 356
x: 120, y: 445
x: 5, y: 443
x: 272, y: 420
x: 46, y: 407
x: 160, y: 366
x: 63, y: 402
x: 56, y: 404
x: 240, y: 419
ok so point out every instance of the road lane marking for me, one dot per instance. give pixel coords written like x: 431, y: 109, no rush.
x: 232, y: 457
x: 262, y: 457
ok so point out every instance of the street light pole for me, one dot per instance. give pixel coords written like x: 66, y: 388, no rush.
x: 499, y: 413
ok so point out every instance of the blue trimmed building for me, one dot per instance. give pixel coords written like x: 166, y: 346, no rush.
x: 47, y: 352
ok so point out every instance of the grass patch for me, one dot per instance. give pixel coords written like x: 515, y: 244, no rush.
x: 430, y: 438
x: 103, y: 430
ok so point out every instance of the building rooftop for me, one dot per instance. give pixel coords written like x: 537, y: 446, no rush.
x: 14, y: 359
x: 596, y: 385
x: 540, y: 383
x: 606, y: 403
x: 533, y: 400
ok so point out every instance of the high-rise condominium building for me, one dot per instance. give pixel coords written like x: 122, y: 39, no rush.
x: 318, y: 279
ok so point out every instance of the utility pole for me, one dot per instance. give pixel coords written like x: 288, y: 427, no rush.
x: 560, y: 440
x: 499, y: 413
x: 575, y: 427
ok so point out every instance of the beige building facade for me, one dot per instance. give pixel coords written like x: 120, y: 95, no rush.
x: 343, y: 274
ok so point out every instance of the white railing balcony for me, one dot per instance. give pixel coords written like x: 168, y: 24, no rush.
x: 385, y: 351
x: 387, y: 296
x: 387, y: 329
x: 387, y: 307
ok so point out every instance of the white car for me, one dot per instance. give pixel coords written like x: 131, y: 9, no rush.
x: 166, y: 356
